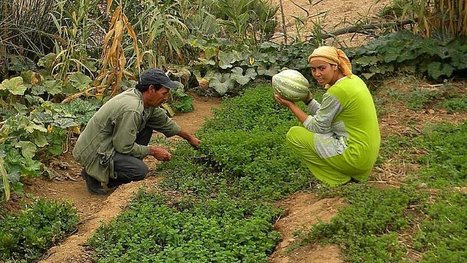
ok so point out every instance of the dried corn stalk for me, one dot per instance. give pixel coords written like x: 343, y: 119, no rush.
x: 113, y: 58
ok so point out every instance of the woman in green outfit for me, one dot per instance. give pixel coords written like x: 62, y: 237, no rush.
x: 339, y: 141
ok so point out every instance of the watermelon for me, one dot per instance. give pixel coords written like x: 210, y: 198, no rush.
x: 291, y: 85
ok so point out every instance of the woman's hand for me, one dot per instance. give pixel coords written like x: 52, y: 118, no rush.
x: 160, y: 153
x: 308, y: 98
x: 299, y: 113
x: 283, y: 101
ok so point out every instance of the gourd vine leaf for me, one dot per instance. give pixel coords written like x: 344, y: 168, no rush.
x: 226, y: 59
x: 47, y: 61
x: 53, y: 87
x: 29, y: 126
x: 221, y: 83
x: 237, y: 75
x: 436, y: 70
x: 368, y: 75
x: 392, y: 54
x: 367, y: 60
x: 39, y: 139
x: 28, y: 149
x: 64, y: 122
x: 458, y: 59
x: 79, y: 81
x: 203, y: 61
x: 14, y: 85
x: 31, y: 77
x: 268, y: 71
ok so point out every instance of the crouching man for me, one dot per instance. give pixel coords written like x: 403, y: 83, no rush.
x: 115, y: 140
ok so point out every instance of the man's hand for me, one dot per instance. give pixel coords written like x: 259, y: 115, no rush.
x: 190, y: 138
x: 160, y: 153
x: 193, y: 141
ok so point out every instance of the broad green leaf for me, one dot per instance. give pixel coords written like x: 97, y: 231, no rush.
x: 37, y: 90
x: 368, y: 75
x: 39, y: 139
x: 47, y: 61
x: 436, y: 70
x: 268, y: 71
x: 30, y: 126
x: 53, y: 87
x: 237, y: 75
x: 55, y: 149
x: 225, y: 60
x: 28, y: 149
x: 14, y: 85
x: 203, y: 61
x: 80, y: 81
x: 64, y: 122
x: 221, y: 83
x: 366, y: 60
x: 21, y: 108
x: 31, y: 77
x: 210, y: 52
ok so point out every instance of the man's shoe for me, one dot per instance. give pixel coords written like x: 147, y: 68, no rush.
x: 94, y: 186
x: 113, y: 184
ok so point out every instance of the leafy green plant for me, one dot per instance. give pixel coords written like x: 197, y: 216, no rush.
x: 367, y: 229
x: 182, y: 102
x: 41, y: 224
x: 445, y: 162
x: 410, y: 53
x: 222, y: 230
x: 441, y: 236
x: 420, y: 98
x: 455, y: 104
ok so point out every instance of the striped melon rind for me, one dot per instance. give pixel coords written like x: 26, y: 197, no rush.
x: 291, y: 85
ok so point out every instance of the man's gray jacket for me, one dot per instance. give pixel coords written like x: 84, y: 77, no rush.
x: 113, y: 128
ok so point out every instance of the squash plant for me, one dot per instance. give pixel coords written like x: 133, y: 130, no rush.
x: 33, y: 126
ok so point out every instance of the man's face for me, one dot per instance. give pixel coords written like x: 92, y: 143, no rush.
x: 157, y: 97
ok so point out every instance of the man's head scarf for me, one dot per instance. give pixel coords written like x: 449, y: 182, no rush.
x: 334, y: 56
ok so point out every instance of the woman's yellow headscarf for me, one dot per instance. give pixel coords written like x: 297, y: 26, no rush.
x: 332, y: 55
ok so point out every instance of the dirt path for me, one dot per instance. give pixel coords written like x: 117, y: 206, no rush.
x: 302, y: 211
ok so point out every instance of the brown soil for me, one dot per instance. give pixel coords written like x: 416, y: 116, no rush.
x: 302, y: 211
x: 328, y: 14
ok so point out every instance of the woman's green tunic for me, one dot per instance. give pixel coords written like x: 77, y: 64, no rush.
x: 340, y: 140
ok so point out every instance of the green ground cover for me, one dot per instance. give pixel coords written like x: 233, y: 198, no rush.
x: 25, y: 236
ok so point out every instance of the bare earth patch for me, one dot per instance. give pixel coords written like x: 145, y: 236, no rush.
x: 302, y: 211
x: 330, y: 15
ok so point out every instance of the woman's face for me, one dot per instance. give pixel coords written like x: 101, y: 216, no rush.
x: 323, y: 72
